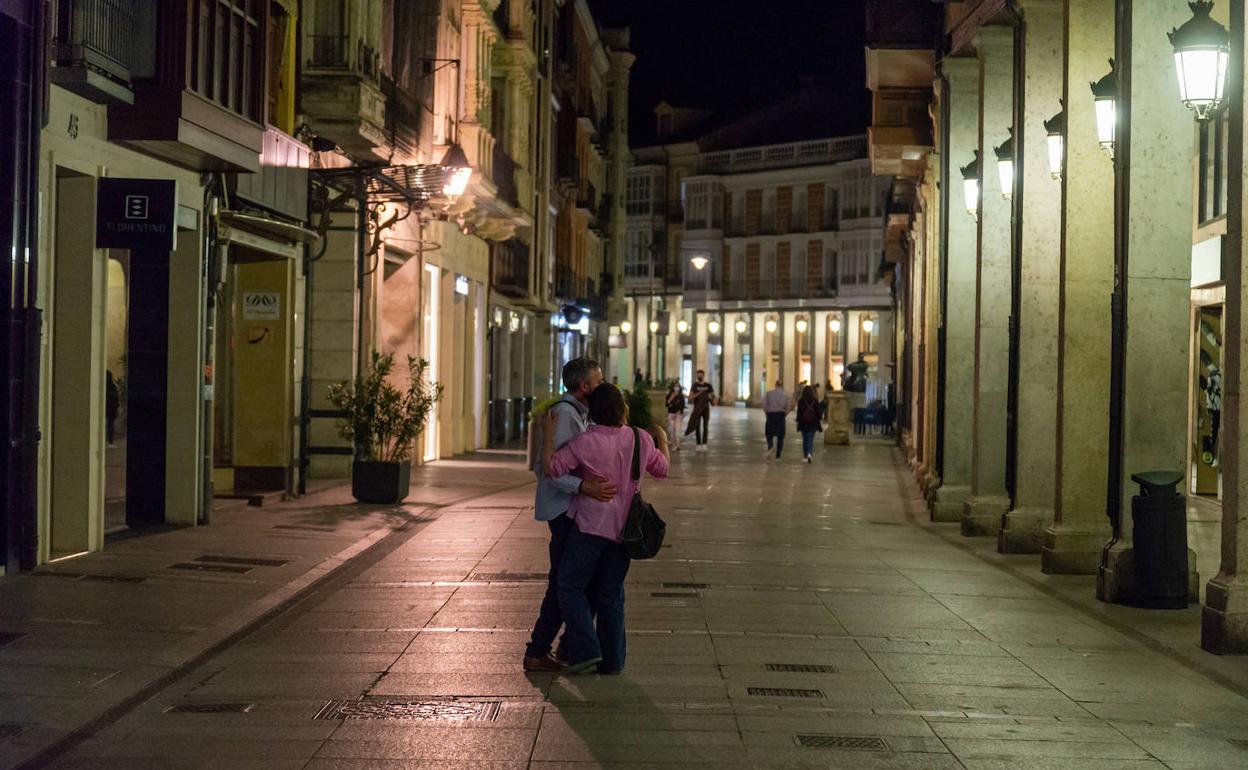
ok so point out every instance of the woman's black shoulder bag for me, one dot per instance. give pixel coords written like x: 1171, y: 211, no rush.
x: 643, y: 530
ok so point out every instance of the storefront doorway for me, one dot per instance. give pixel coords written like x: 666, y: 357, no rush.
x: 1206, y: 403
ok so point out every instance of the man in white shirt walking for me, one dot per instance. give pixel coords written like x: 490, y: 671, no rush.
x: 777, y: 404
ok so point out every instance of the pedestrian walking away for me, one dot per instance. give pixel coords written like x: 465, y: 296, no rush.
x: 702, y: 395
x: 808, y: 421
x: 675, y: 413
x: 776, y: 406
x: 595, y: 561
x: 112, y: 405
x: 563, y: 421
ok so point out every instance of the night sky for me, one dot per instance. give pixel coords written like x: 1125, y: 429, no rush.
x: 732, y: 55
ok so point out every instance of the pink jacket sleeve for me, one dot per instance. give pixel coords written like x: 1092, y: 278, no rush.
x: 564, y: 460
x: 656, y: 463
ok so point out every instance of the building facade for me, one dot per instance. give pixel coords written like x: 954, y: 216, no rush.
x: 755, y: 263
x: 1069, y: 261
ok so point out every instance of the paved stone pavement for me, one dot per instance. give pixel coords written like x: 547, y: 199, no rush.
x: 915, y: 652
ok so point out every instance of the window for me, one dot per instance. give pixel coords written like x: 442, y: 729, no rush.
x: 697, y: 205
x: 784, y: 209
x: 753, y: 211
x: 637, y: 194
x: 814, y: 208
x: 1212, y: 170
x: 228, y: 54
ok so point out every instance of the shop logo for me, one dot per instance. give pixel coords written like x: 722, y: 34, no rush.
x: 136, y: 206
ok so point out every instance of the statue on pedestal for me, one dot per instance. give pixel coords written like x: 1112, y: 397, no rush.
x: 854, y: 379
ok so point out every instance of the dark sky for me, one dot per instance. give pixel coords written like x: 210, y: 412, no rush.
x: 734, y: 54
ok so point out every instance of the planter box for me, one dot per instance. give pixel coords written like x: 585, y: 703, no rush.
x: 376, y: 482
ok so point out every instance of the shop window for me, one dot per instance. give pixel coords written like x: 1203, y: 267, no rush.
x: 1213, y: 168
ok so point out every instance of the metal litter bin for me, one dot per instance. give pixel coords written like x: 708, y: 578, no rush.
x: 1159, y: 515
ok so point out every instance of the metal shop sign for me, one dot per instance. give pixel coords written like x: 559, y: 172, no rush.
x: 262, y: 306
x: 136, y: 214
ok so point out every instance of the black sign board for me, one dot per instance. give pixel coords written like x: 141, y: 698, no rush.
x: 136, y: 214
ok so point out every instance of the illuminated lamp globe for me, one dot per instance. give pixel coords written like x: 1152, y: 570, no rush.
x: 770, y: 326
x: 835, y: 325
x: 1104, y: 99
x: 1055, y: 128
x: 682, y: 326
x: 699, y: 262
x: 801, y: 326
x: 868, y: 325
x: 713, y: 327
x: 626, y: 327
x: 742, y: 326
x: 970, y: 186
x: 1202, y: 50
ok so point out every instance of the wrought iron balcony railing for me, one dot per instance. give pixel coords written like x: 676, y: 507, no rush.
x: 100, y: 35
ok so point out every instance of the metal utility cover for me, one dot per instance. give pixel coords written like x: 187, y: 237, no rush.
x: 244, y: 561
x: 801, y: 668
x: 210, y: 708
x: 508, y: 577
x: 198, y: 567
x: 784, y: 692
x: 421, y: 709
x: 685, y: 585
x: 854, y: 742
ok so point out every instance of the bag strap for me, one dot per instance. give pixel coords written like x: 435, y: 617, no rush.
x: 636, y: 456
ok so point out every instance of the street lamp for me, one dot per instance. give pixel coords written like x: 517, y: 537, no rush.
x: 1055, y: 127
x: 770, y: 326
x: 868, y: 325
x: 1005, y: 166
x: 654, y: 327
x: 801, y: 326
x: 456, y: 162
x: 835, y: 325
x: 742, y: 326
x: 1202, y: 48
x: 970, y: 186
x: 1104, y: 95
x: 682, y: 326
x: 713, y: 327
x: 699, y: 262
x: 626, y: 327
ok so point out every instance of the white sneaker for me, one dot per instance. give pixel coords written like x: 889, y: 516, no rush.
x: 808, y: 459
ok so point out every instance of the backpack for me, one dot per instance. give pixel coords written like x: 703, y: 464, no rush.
x: 643, y: 529
x: 810, y: 412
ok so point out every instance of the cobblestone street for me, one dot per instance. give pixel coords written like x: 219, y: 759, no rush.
x: 803, y: 616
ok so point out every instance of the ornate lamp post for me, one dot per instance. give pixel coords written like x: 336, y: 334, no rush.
x: 1202, y: 50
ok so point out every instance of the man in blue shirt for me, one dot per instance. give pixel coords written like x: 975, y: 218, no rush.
x: 580, y: 377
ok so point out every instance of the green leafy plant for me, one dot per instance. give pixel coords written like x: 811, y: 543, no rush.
x: 639, y: 409
x: 379, y: 419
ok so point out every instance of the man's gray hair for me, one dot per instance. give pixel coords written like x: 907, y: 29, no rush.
x: 577, y: 371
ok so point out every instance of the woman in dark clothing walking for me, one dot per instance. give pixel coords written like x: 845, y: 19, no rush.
x: 808, y: 421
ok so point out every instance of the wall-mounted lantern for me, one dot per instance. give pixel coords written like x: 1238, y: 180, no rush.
x: 1104, y: 98
x: 970, y: 186
x: 1202, y: 50
x: 1055, y: 128
x: 1005, y: 166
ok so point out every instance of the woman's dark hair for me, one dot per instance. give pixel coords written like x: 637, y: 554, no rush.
x: 606, y: 406
x: 808, y: 392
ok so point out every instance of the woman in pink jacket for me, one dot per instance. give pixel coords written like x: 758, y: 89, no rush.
x: 593, y: 554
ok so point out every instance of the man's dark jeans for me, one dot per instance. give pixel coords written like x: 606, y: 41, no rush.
x: 593, y: 571
x: 549, y: 618
x: 775, y: 431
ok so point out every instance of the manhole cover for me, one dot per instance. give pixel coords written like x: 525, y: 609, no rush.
x: 9, y: 730
x: 305, y: 527
x: 198, y: 567
x: 7, y: 638
x: 685, y: 585
x: 801, y: 668
x: 856, y: 742
x: 115, y: 578
x: 508, y: 577
x: 210, y: 708
x: 425, y: 709
x: 673, y: 595
x: 783, y: 692
x: 245, y: 561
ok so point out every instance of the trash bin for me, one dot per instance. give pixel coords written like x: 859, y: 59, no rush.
x: 1159, y: 514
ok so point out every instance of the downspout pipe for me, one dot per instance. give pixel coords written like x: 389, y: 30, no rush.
x: 943, y: 285
x: 1016, y: 250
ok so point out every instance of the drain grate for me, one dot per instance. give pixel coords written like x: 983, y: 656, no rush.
x: 784, y: 692
x: 210, y: 708
x: 244, y: 561
x: 801, y: 668
x: 855, y: 742
x: 686, y: 585
x: 9, y: 730
x: 115, y: 578
x: 305, y: 527
x: 508, y: 577
x: 198, y: 567
x: 9, y: 637
x: 55, y: 574
x: 674, y: 594
x: 422, y: 709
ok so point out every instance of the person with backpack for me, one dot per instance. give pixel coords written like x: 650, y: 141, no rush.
x: 675, y: 413
x: 564, y: 420
x: 595, y: 554
x: 808, y: 421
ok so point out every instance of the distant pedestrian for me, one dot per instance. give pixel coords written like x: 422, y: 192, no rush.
x: 112, y: 405
x: 808, y: 421
x: 776, y: 406
x: 703, y: 397
x: 637, y: 378
x: 675, y: 413
x: 563, y: 421
x: 595, y: 562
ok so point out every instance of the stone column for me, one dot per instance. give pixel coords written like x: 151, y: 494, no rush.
x: 731, y: 360
x: 1224, y: 618
x: 962, y: 76
x: 1072, y: 545
x: 1153, y: 161
x: 1038, y: 206
x: 931, y: 310
x: 788, y: 347
x: 819, y: 350
x: 981, y: 514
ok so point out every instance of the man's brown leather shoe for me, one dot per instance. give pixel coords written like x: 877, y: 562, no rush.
x: 544, y: 664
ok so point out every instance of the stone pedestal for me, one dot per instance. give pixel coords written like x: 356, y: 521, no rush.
x: 837, y: 429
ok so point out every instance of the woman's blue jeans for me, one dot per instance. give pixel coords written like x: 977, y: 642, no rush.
x: 808, y: 443
x: 589, y: 560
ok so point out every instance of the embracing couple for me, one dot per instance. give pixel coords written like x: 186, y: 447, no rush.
x: 584, y: 488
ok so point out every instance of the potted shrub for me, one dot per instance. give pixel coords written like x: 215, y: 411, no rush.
x: 383, y: 422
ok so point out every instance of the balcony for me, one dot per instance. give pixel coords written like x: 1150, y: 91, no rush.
x: 740, y: 290
x: 789, y: 155
x: 511, y: 267
x: 902, y: 38
x: 587, y: 200
x: 95, y: 40
x: 342, y: 94
x: 505, y: 176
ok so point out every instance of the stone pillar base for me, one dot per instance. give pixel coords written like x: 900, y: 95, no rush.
x: 946, y: 503
x: 981, y: 515
x: 1224, y: 618
x: 1022, y: 530
x: 1115, y: 578
x: 1069, y: 551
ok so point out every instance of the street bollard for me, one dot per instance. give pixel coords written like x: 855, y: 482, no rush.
x: 1159, y: 515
